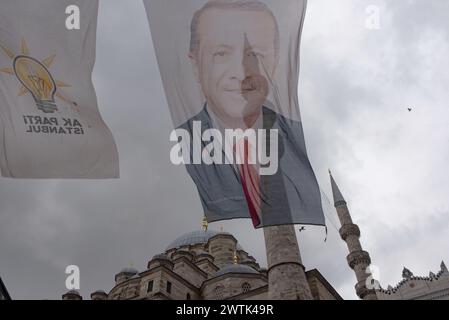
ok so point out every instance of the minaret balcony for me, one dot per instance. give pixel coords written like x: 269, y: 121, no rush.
x: 349, y: 230
x: 358, y: 257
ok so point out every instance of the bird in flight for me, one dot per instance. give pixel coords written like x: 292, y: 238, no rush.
x: 302, y: 229
x: 409, y: 109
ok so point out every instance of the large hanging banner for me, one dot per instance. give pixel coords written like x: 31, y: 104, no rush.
x: 50, y: 125
x: 230, y: 72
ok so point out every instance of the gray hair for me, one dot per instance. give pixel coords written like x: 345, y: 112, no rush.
x: 254, y: 5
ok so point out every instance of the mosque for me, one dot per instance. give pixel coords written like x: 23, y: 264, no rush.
x: 211, y: 265
x: 202, y: 265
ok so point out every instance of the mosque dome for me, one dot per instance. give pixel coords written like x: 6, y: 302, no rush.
x: 235, y: 268
x: 195, y: 237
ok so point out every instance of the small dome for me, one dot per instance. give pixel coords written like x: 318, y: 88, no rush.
x: 99, y: 292
x: 235, y: 268
x: 73, y: 292
x: 129, y: 271
x: 195, y: 237
x: 182, y: 251
x: 161, y: 256
x: 200, y: 255
x: 203, y: 253
x: 160, y: 259
x: 72, y: 295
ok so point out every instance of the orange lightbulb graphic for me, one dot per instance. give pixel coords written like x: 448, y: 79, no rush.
x: 35, y: 77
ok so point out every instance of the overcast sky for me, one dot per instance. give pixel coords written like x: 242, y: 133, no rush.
x: 356, y: 85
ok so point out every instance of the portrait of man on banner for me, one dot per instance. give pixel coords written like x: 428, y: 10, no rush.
x: 240, y: 137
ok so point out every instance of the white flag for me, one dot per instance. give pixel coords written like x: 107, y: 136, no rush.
x: 50, y: 125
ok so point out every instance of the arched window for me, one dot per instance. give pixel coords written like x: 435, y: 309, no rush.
x: 150, y: 286
x: 246, y: 287
x: 168, y: 287
x: 219, y: 292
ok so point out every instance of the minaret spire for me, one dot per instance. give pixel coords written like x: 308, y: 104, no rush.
x: 338, y: 197
x: 358, y: 259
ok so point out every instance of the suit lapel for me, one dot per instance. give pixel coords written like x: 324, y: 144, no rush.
x: 228, y: 169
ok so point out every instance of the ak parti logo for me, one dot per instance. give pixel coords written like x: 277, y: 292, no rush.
x: 35, y: 78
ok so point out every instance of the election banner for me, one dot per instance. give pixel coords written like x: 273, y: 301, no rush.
x: 50, y: 124
x: 230, y: 71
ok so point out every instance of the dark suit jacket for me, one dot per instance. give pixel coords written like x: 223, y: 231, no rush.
x: 290, y: 196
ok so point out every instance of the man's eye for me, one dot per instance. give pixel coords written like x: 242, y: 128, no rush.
x: 254, y: 54
x: 220, y: 54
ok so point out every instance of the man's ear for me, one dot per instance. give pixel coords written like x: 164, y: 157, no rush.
x: 195, y: 66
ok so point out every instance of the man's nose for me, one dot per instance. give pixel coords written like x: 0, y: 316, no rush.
x: 237, y: 68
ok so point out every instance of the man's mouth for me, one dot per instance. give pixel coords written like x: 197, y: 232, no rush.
x: 251, y: 84
x: 239, y: 91
x: 248, y: 85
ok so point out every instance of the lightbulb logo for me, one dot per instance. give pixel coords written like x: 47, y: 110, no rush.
x: 35, y: 78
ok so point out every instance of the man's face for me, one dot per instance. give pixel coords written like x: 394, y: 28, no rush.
x: 235, y: 60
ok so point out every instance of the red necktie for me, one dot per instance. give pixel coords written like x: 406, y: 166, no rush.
x: 250, y: 182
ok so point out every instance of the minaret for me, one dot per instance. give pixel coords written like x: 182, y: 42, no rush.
x: 286, y: 275
x: 358, y: 259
